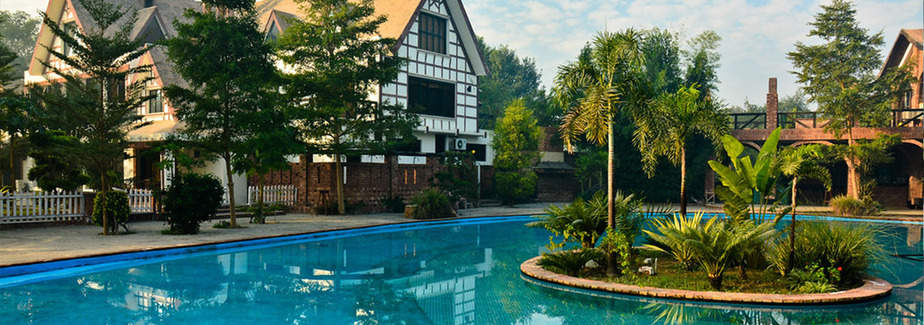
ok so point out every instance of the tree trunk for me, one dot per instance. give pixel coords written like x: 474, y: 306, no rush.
x: 341, y: 208
x: 610, y: 209
x: 683, y: 181
x: 792, y: 228
x: 103, y: 184
x: 716, y: 282
x: 853, y: 179
x: 230, y: 174
x: 12, y: 164
x: 261, y: 214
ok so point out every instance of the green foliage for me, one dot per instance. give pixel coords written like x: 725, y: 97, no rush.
x: 509, y: 78
x: 113, y: 205
x: 669, y: 236
x: 232, y: 84
x: 840, y: 70
x: 580, y: 222
x: 703, y: 62
x: 20, y: 30
x: 458, y: 178
x: 52, y: 168
x: 618, y: 245
x: 569, y: 262
x: 843, y: 205
x: 516, y: 186
x: 191, y: 200
x: 815, y: 279
x: 744, y: 180
x: 332, y: 73
x: 797, y: 102
x: 432, y: 204
x: 516, y: 139
x: 847, y: 248
x: 394, y: 204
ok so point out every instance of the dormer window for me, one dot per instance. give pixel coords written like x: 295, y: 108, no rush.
x: 432, y: 33
x: 156, y: 103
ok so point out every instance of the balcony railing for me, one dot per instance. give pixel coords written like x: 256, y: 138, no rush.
x: 900, y: 118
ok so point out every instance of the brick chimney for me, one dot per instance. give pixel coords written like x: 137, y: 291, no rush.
x: 772, y: 105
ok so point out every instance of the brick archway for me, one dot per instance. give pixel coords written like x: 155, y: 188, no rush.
x: 751, y: 144
x: 802, y: 143
x: 914, y: 142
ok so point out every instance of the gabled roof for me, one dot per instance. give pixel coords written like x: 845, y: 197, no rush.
x: 906, y: 38
x: 399, y: 13
x: 158, y: 18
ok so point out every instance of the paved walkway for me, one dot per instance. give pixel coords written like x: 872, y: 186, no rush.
x: 36, y: 244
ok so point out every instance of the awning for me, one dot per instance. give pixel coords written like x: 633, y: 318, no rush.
x: 155, y: 131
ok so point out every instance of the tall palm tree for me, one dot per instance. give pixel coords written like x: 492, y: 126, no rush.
x: 603, y: 81
x: 665, y: 128
x: 802, y: 162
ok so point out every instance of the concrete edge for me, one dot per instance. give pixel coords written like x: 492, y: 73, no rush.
x: 871, y: 289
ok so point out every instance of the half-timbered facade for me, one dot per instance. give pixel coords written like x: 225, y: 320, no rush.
x: 439, y: 81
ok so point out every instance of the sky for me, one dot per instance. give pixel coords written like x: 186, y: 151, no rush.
x: 756, y: 34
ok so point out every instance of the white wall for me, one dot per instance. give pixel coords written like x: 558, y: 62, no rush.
x: 217, y: 168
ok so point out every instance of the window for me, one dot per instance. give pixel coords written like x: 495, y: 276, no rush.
x: 432, y: 33
x: 70, y: 29
x: 430, y: 97
x: 273, y: 33
x: 156, y: 103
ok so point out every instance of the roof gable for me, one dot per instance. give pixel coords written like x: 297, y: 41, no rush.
x: 906, y: 39
x: 400, y: 14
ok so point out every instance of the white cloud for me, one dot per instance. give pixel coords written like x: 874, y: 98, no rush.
x: 30, y: 6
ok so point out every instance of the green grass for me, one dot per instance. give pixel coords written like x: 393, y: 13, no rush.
x: 672, y: 276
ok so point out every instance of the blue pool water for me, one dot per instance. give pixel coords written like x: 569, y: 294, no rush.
x: 460, y: 272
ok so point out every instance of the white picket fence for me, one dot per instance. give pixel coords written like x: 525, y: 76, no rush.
x: 41, y: 207
x: 273, y: 194
x: 29, y: 207
x: 141, y: 201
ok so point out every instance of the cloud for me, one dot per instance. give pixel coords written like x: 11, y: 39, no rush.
x: 756, y: 35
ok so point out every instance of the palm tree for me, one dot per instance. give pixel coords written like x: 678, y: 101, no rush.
x: 595, y: 88
x: 664, y: 129
x: 802, y: 163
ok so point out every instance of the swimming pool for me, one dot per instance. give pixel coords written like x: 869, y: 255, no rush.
x: 456, y: 272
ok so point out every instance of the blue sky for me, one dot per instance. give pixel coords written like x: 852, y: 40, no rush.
x: 756, y: 34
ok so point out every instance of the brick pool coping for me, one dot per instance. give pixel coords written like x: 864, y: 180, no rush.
x: 871, y: 289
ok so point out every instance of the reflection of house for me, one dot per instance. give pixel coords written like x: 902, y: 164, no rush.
x: 439, y: 82
x: 154, y: 23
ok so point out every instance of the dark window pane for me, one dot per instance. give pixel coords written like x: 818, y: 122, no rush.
x: 432, y: 33
x: 480, y: 151
x: 156, y: 104
x: 431, y: 97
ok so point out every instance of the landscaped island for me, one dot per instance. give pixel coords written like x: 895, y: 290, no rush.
x: 738, y: 256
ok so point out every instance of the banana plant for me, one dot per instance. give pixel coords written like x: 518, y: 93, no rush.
x: 744, y: 180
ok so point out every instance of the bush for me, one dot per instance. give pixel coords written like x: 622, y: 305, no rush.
x: 619, y: 246
x: 815, y: 279
x: 669, y: 236
x: 516, y: 186
x: 570, y: 262
x: 580, y: 222
x: 190, y: 200
x: 849, y: 249
x: 846, y: 206
x: 116, y: 208
x: 432, y: 204
x: 393, y: 204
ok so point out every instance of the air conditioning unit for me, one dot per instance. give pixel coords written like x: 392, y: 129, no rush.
x: 459, y: 144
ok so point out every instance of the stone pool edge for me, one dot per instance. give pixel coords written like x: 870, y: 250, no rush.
x: 871, y: 289
x: 38, y: 266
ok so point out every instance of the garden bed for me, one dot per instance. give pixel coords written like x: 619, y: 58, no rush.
x: 871, y: 289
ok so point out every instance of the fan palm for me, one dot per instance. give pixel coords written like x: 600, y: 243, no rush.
x: 595, y: 88
x: 802, y: 163
x: 664, y: 129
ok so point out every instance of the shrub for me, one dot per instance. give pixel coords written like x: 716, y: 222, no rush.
x: 190, y: 200
x: 515, y: 186
x: 846, y: 206
x: 815, y: 279
x: 581, y: 221
x: 393, y: 204
x: 569, y: 262
x: 669, y: 236
x: 619, y: 246
x: 116, y: 207
x: 432, y: 204
x: 849, y: 249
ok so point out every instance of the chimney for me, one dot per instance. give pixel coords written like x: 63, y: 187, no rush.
x: 772, y: 105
